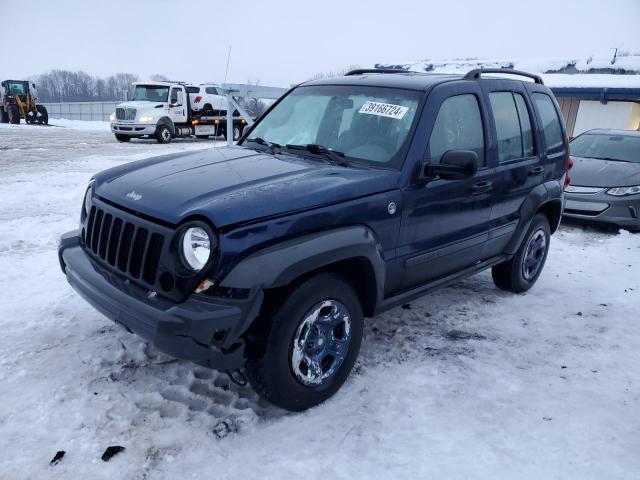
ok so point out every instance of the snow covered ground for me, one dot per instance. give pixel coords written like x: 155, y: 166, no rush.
x: 467, y: 382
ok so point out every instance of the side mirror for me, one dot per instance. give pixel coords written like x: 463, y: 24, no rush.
x: 454, y: 165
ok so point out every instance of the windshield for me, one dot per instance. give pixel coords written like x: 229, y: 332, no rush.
x: 151, y: 93
x: 625, y: 148
x: 16, y: 88
x: 368, y: 124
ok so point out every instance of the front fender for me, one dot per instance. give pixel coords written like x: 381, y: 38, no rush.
x: 280, y: 264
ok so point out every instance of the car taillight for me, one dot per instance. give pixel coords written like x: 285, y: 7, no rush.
x: 567, y: 179
x: 198, y: 98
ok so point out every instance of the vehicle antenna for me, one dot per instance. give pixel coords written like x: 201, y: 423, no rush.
x: 224, y: 84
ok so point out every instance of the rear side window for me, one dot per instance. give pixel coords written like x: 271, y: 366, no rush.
x: 193, y: 89
x: 525, y: 125
x: 550, y: 121
x: 458, y: 127
x: 211, y: 90
x: 513, y: 126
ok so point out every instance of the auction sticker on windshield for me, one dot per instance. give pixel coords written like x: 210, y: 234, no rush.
x: 384, y: 110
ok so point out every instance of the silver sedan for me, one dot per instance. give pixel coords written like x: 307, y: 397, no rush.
x: 605, y: 178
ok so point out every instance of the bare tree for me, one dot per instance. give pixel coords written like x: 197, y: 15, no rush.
x: 333, y: 73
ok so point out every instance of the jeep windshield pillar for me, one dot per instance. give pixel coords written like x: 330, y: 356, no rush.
x: 350, y: 196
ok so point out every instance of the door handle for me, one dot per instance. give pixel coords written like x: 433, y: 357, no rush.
x: 481, y: 187
x: 536, y: 171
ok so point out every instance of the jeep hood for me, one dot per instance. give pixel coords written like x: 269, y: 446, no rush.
x: 231, y: 185
x: 594, y: 172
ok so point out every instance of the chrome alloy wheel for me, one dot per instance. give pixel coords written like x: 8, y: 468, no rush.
x: 321, y: 342
x: 534, y: 255
x: 166, y: 135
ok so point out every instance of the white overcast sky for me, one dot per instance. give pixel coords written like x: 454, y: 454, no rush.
x: 281, y: 42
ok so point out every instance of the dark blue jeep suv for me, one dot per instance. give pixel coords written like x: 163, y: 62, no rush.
x: 350, y: 196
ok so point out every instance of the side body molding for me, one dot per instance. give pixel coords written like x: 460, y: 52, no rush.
x: 279, y: 264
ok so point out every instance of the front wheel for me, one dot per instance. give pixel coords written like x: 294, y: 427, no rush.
x: 43, y: 115
x: 122, y: 138
x: 163, y: 134
x: 521, y: 272
x: 302, y: 353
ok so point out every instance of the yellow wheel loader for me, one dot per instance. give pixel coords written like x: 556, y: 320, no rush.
x: 18, y: 100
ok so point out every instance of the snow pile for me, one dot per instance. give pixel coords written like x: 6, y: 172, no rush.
x: 84, y: 125
x: 81, y: 124
x: 556, y: 72
x: 467, y: 382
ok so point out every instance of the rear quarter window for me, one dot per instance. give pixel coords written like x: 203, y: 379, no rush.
x: 513, y: 125
x: 550, y: 121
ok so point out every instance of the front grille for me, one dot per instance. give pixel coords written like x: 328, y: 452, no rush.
x: 124, y: 244
x: 127, y: 114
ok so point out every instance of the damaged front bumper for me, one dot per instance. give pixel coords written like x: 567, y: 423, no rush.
x: 204, y: 330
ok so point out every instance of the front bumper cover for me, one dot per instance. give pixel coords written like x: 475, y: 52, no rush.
x: 134, y: 130
x: 183, y: 330
x: 602, y: 208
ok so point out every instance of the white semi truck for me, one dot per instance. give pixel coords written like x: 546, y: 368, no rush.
x: 165, y: 110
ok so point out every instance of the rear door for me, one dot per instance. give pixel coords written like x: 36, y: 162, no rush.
x: 445, y: 222
x: 517, y: 157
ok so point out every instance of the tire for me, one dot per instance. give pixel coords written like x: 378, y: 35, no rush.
x: 275, y: 367
x: 237, y: 133
x: 163, y: 134
x: 122, y: 138
x: 4, y: 116
x: 14, y: 114
x: 43, y: 118
x: 517, y: 276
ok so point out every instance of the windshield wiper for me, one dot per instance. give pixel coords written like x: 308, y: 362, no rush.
x: 333, y: 155
x: 272, y: 146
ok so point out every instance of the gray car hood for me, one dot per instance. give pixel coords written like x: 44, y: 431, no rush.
x: 593, y: 172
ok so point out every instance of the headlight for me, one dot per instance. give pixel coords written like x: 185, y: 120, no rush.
x: 87, y: 201
x: 620, y: 191
x: 112, y: 117
x: 196, y: 248
x: 145, y: 119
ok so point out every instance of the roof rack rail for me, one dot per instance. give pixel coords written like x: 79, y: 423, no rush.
x: 360, y: 71
x: 475, y: 74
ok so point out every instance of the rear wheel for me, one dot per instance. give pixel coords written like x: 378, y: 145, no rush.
x: 302, y: 352
x: 43, y: 117
x: 163, y: 134
x: 14, y: 114
x: 237, y: 133
x: 521, y: 272
x: 4, y: 116
x: 122, y: 138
